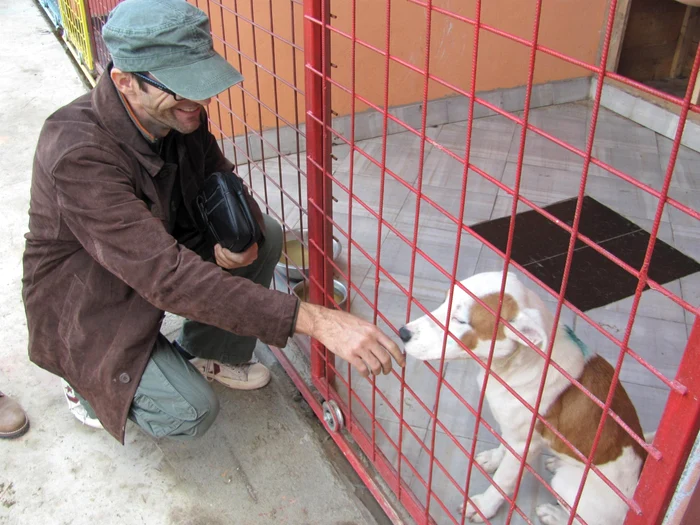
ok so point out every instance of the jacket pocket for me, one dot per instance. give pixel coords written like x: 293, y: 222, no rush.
x: 69, y: 311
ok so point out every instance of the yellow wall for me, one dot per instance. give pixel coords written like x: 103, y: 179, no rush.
x: 572, y: 27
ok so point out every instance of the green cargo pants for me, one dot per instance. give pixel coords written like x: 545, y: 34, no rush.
x: 173, y: 399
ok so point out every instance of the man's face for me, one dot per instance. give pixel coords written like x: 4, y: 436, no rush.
x: 159, y: 112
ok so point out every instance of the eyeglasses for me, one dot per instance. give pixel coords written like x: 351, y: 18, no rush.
x: 153, y: 82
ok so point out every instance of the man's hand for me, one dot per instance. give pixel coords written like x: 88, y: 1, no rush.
x: 360, y: 343
x: 229, y: 260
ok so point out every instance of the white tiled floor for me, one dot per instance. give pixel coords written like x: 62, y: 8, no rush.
x: 550, y: 173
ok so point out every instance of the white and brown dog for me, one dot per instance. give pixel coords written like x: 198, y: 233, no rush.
x: 618, y: 456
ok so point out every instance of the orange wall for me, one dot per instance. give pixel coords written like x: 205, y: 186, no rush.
x: 233, y: 33
x: 572, y: 27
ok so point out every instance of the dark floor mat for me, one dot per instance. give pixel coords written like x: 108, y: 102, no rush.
x: 540, y: 246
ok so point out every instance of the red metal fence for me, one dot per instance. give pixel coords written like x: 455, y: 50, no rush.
x: 401, y: 256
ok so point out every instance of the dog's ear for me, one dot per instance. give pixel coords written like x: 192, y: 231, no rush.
x: 531, y: 324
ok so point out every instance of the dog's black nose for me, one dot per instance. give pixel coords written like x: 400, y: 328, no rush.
x: 405, y: 334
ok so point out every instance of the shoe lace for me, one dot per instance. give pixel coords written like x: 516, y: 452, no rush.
x: 209, y: 370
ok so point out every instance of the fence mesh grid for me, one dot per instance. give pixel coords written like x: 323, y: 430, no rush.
x: 415, y: 134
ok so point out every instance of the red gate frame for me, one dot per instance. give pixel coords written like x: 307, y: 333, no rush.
x: 681, y: 418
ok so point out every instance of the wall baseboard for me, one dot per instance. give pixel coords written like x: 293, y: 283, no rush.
x: 644, y: 112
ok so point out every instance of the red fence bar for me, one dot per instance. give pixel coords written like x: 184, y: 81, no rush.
x: 675, y: 436
x: 353, y: 105
x: 316, y: 59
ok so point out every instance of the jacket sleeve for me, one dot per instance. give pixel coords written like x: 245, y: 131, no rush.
x: 98, y: 203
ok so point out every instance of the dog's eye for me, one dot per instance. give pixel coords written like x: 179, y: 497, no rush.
x: 458, y: 320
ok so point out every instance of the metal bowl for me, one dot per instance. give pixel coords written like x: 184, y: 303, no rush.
x: 293, y: 249
x: 340, y: 292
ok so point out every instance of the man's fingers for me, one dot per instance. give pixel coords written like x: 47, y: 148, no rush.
x: 229, y: 260
x: 360, y: 343
x: 370, y: 359
x: 221, y: 258
x: 252, y: 252
x: 360, y: 366
x: 383, y: 358
x: 392, y: 348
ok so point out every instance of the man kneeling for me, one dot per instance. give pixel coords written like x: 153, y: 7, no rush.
x: 112, y: 243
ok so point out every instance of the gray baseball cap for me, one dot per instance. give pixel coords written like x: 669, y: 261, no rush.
x: 171, y: 40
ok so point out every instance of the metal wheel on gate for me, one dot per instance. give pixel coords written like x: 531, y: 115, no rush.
x: 435, y: 140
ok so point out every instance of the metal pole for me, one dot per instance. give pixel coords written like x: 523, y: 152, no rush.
x: 674, y: 438
x: 316, y: 58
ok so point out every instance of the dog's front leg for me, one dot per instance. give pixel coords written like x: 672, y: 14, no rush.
x: 506, y: 476
x: 491, y: 459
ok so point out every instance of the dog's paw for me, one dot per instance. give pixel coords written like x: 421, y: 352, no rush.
x: 486, y: 506
x: 490, y: 459
x: 552, y: 514
x: 552, y: 464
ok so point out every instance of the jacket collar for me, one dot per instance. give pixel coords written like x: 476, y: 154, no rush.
x: 115, y: 117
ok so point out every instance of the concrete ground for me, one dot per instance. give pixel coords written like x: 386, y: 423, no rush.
x: 267, y: 459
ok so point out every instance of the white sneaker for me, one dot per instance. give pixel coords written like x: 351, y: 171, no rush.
x: 247, y: 376
x: 77, y: 409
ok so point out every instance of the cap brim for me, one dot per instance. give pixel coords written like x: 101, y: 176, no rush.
x: 201, y: 80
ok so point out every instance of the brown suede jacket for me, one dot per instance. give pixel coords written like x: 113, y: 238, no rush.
x: 100, y: 266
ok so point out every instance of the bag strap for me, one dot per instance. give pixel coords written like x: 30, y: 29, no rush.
x: 243, y: 201
x: 201, y: 219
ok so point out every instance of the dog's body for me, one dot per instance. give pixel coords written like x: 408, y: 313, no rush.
x: 618, y: 456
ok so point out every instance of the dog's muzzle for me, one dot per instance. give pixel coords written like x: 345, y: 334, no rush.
x: 405, y: 334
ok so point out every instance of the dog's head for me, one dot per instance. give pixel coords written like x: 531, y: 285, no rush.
x: 474, y: 325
